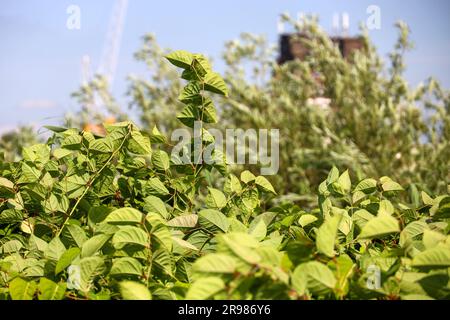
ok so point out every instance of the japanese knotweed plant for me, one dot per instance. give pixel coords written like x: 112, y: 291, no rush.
x: 116, y: 217
x: 83, y: 213
x: 361, y: 243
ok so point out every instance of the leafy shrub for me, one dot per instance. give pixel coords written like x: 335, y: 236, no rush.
x: 115, y: 217
x: 369, y: 120
x: 12, y: 143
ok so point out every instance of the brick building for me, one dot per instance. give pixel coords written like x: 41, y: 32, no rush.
x: 293, y: 48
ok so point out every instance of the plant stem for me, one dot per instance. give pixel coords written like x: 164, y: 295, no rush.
x: 91, y: 181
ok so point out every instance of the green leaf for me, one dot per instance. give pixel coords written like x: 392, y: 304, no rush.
x: 5, y: 183
x: 344, y: 183
x: 383, y: 224
x: 205, y: 288
x: 66, y: 259
x: 72, y: 142
x: 119, y: 129
x: 74, y: 185
x: 157, y: 136
x: 214, y: 83
x: 139, y: 143
x: 326, y: 235
x: 20, y: 289
x: 265, y: 184
x: 432, y: 238
x: 191, y: 95
x: 88, y: 137
x: 126, y: 266
x: 56, y: 203
x: 242, y: 245
x: 49, y: 290
x: 156, y: 187
x: 258, y: 230
x: 94, y: 244
x: 367, y: 186
x: 438, y: 256
x: 342, y: 268
x: 411, y: 231
x: 427, y: 200
x: 232, y: 184
x: 38, y: 154
x: 387, y: 184
x: 154, y: 204
x: 131, y: 290
x: 7, y: 193
x: 181, y: 59
x: 11, y: 216
x: 314, y: 276
x: 250, y: 199
x: 416, y: 297
x: 161, y: 234
x: 213, y: 220
x: 215, y: 199
x: 99, y: 214
x: 307, y: 219
x: 29, y: 174
x: 214, y: 263
x: 247, y: 176
x: 184, y: 221
x: 163, y: 261
x: 267, y: 217
x: 36, y: 243
x: 124, y: 216
x: 90, y: 267
x: 200, y: 65
x: 55, y: 249
x: 153, y: 220
x: 160, y: 160
x: 323, y: 189
x: 130, y: 235
x: 386, y: 207
x: 55, y: 129
x: 358, y: 196
x: 189, y: 115
x: 27, y: 226
x: 101, y: 145
x: 361, y: 217
x: 414, y: 195
x: 333, y: 175
x: 209, y: 111
x: 183, y: 244
x: 75, y: 234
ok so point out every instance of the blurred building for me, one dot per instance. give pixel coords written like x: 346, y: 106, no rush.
x: 292, y: 47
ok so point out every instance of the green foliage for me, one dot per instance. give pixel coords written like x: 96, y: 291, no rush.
x: 113, y: 217
x: 357, y: 113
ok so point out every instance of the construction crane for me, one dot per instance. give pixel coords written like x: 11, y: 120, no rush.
x: 110, y: 54
x: 111, y: 48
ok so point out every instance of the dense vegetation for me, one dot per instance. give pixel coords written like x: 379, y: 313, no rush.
x: 374, y: 122
x: 117, y: 216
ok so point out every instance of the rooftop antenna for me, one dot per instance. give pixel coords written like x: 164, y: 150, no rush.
x: 85, y: 69
x: 336, y: 23
x: 280, y: 25
x: 300, y: 19
x: 345, y: 23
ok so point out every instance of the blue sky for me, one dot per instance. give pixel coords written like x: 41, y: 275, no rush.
x: 40, y: 59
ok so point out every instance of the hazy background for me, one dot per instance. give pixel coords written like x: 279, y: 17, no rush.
x: 40, y: 59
